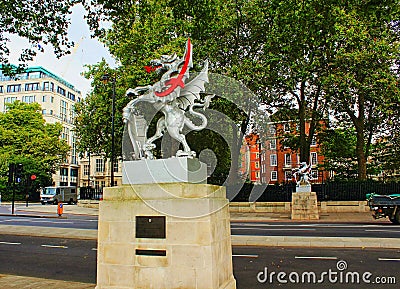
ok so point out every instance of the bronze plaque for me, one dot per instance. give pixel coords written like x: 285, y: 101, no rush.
x: 150, y: 227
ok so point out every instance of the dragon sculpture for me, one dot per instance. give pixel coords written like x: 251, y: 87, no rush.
x: 174, y: 95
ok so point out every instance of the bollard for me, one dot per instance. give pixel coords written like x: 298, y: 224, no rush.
x: 60, y: 209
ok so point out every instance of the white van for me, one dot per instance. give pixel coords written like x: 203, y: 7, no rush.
x: 54, y: 195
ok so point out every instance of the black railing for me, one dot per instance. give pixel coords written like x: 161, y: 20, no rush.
x: 89, y: 193
x: 330, y: 191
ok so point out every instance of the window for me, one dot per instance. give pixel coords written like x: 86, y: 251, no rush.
x: 43, y: 98
x: 314, y: 141
x: 28, y: 99
x: 8, y: 100
x: 272, y: 144
x: 288, y: 175
x: 116, y: 166
x: 71, y: 96
x: 52, y: 99
x: 65, y: 133
x: 44, y: 111
x: 99, y: 165
x: 314, y: 158
x: 32, y: 86
x: 34, y: 75
x: 61, y: 90
x: 274, y: 176
x: 257, y: 175
x: 286, y: 127
x: 257, y: 165
x: 273, y: 160
x: 272, y: 129
x: 288, y: 160
x: 63, y: 110
x: 85, y: 170
x: 314, y: 174
x: 13, y: 88
x: 1, y: 89
x: 64, y: 171
x: 46, y: 86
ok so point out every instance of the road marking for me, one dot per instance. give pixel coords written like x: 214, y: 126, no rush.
x: 246, y: 256
x: 94, y: 249
x: 317, y: 258
x: 388, y: 259
x: 10, y: 243
x: 53, y: 222
x: 391, y: 231
x: 54, y: 246
x: 267, y: 229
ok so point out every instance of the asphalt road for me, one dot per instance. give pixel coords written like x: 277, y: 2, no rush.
x: 382, y: 230
x: 254, y: 267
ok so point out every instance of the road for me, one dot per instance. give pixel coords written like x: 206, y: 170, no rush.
x: 381, y: 230
x: 254, y: 267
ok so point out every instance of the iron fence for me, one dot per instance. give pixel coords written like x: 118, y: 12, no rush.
x: 330, y: 191
x: 89, y: 193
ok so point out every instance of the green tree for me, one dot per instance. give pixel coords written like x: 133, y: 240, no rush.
x: 40, y: 22
x: 363, y: 82
x: 25, y: 138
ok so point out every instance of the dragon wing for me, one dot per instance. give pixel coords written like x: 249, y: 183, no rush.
x: 191, y: 91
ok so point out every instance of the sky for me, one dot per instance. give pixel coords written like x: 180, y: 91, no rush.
x: 86, y: 51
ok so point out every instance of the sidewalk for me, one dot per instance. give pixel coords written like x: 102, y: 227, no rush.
x: 24, y: 282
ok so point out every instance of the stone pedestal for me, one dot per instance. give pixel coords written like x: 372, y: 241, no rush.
x: 169, y: 235
x: 304, y: 206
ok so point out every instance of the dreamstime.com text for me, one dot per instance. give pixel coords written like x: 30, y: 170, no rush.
x: 336, y: 276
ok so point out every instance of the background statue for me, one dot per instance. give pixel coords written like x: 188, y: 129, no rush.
x: 173, y: 95
x: 303, y: 172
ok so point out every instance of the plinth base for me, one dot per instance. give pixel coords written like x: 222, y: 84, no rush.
x: 164, y: 236
x: 304, y: 206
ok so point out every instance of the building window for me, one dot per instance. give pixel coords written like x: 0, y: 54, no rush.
x: 273, y: 160
x: 52, y: 99
x: 43, y: 98
x: 257, y: 165
x: 272, y: 129
x: 272, y: 144
x: 60, y: 90
x: 314, y: 174
x: 288, y: 159
x: 65, y: 134
x: 63, y: 110
x: 314, y: 158
x: 1, y: 89
x: 286, y: 127
x: 314, y: 141
x: 274, y: 176
x: 116, y: 167
x: 288, y: 175
x: 99, y: 165
x: 32, y: 86
x: 64, y: 171
x: 71, y: 96
x: 34, y: 75
x: 257, y: 175
x: 13, y: 88
x: 85, y: 170
x: 28, y: 98
x: 46, y: 86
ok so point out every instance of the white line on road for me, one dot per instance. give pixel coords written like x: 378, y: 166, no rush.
x: 391, y: 231
x: 54, y: 246
x: 267, y: 229
x: 53, y: 222
x: 246, y: 256
x: 10, y: 243
x: 314, y: 257
x: 388, y: 259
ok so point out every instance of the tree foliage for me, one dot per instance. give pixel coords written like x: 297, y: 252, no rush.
x: 25, y: 138
x: 40, y: 22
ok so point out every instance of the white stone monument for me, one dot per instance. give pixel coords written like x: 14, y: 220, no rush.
x: 304, y: 201
x: 164, y: 228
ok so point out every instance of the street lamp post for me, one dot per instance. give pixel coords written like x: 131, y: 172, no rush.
x: 105, y: 79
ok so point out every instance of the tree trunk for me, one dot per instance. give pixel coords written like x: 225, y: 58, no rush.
x: 362, y: 162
